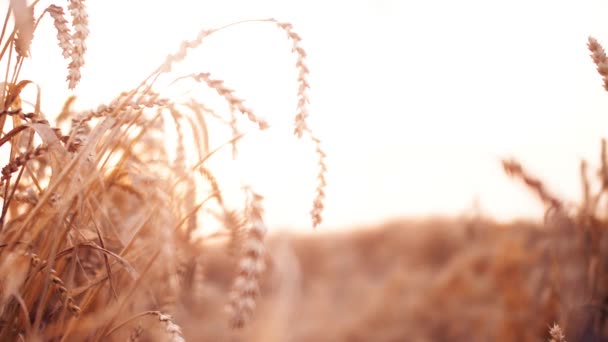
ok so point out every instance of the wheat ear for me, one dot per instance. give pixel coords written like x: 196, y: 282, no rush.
x: 80, y: 23
x: 246, y: 287
x: 557, y: 335
x: 24, y: 26
x: 599, y: 58
x: 64, y: 36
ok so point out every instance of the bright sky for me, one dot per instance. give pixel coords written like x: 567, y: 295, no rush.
x: 415, y: 101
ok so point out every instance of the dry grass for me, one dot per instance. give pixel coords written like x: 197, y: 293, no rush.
x: 98, y: 230
x: 98, y: 225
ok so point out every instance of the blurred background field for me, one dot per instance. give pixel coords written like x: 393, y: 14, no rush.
x: 412, y: 280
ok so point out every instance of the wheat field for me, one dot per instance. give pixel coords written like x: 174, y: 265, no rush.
x: 102, y: 211
x: 99, y: 220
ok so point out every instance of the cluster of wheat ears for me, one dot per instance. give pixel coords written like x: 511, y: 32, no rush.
x: 97, y: 229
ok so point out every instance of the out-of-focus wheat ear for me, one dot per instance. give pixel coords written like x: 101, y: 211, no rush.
x: 234, y: 126
x: 301, y: 125
x: 80, y: 23
x: 586, y: 200
x: 246, y: 287
x: 515, y: 170
x: 14, y: 269
x: 228, y: 95
x: 236, y: 226
x: 64, y: 36
x: 557, y: 335
x: 132, y: 106
x: 603, y: 174
x: 24, y: 26
x: 318, y: 205
x: 183, y: 51
x: 198, y: 280
x: 599, y: 58
x: 28, y: 196
x: 66, y: 110
x: 173, y: 331
x: 215, y: 188
x: 180, y: 150
x: 78, y: 135
x: 136, y: 333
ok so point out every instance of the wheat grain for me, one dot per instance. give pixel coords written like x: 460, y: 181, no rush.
x: 63, y: 292
x: 301, y: 124
x: 21, y: 160
x: 64, y: 36
x: 80, y: 23
x: 173, y: 330
x: 318, y: 205
x: 599, y: 58
x: 556, y: 334
x: 245, y: 288
x: 514, y: 169
x: 136, y: 334
x: 14, y: 268
x: 183, y: 51
x: 232, y: 100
